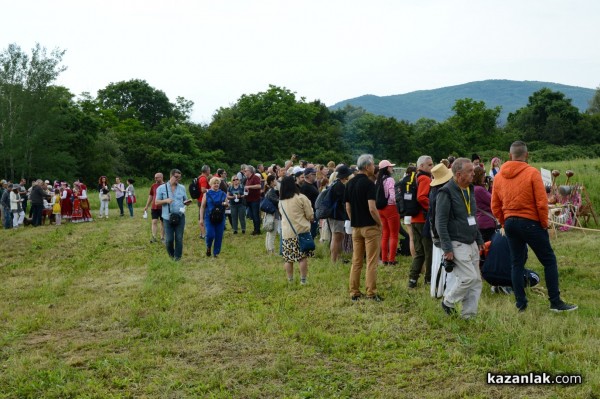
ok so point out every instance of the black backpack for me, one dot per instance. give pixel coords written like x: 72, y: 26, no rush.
x: 406, y: 196
x: 194, y: 189
x: 324, y: 206
x: 381, y: 200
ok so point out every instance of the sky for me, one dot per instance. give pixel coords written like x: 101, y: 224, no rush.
x: 213, y: 52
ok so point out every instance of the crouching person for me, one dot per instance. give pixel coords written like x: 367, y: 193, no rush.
x: 460, y: 239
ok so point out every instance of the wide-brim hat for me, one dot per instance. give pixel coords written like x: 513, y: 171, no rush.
x: 441, y: 174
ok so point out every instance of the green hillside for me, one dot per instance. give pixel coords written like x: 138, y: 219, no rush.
x: 437, y: 103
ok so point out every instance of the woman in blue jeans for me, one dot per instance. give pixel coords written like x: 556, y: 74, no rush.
x: 237, y: 203
x: 213, y: 200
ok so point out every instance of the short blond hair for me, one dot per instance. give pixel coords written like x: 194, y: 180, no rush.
x: 214, y: 180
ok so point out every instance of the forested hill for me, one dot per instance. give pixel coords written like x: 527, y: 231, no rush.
x: 437, y: 103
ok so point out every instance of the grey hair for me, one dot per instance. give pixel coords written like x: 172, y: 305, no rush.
x: 251, y: 169
x: 364, y: 160
x: 422, y: 160
x: 518, y: 149
x: 457, y: 165
x: 205, y: 168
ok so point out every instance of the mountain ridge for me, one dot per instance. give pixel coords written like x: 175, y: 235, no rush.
x: 437, y: 103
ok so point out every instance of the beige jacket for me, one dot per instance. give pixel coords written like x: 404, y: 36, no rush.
x: 300, y: 212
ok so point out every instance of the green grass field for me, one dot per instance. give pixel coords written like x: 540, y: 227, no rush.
x: 95, y: 310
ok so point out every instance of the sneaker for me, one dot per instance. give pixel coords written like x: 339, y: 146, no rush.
x: 412, y: 283
x: 235, y: 232
x: 393, y: 263
x: 243, y: 231
x: 375, y: 298
x: 494, y: 289
x: 563, y: 307
x: 215, y: 256
x: 303, y: 282
x: 448, y: 309
x: 153, y: 240
x: 356, y: 298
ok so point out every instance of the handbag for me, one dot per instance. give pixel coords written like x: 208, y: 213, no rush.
x: 217, y: 214
x: 269, y: 223
x: 305, y: 240
x: 105, y: 197
x: 131, y: 199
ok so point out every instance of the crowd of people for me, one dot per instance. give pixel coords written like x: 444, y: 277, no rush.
x: 59, y: 202
x: 456, y: 215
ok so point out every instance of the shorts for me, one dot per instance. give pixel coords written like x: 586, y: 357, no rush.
x: 156, y: 214
x: 407, y: 220
x: 336, y: 226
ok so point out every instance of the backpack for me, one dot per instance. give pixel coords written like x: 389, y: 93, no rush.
x: 324, y: 208
x: 194, y: 189
x: 381, y: 199
x: 406, y: 196
x: 267, y: 206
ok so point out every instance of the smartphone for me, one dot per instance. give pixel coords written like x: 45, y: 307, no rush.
x: 187, y: 202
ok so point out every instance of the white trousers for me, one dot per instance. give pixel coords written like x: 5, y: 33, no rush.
x: 467, y: 288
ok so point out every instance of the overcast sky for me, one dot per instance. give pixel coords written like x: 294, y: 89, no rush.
x: 212, y: 52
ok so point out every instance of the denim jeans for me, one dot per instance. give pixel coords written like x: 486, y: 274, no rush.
x: 130, y: 206
x: 120, y: 204
x: 520, y: 233
x: 7, y: 214
x: 174, y: 238
x: 254, y: 213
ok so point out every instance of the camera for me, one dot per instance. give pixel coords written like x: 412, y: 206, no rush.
x: 448, y: 265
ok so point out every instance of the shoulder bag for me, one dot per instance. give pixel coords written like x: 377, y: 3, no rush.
x: 305, y: 240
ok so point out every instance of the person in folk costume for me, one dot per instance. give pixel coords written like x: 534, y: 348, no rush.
x: 84, y: 202
x: 77, y: 214
x: 66, y: 206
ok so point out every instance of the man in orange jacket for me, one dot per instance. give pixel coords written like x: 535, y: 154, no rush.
x: 520, y: 204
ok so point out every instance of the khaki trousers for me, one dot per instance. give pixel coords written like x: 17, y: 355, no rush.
x: 366, y: 241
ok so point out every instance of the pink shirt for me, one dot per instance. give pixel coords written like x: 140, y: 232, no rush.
x: 388, y: 187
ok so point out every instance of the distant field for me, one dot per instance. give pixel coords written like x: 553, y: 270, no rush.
x: 95, y: 310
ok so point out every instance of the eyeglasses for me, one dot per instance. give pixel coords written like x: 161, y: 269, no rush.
x: 236, y: 180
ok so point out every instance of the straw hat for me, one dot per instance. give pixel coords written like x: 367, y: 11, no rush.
x: 441, y: 174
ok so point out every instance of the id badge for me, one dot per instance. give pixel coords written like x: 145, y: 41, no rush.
x: 408, y: 196
x: 471, y: 220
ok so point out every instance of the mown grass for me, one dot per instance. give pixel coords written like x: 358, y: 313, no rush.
x: 95, y: 310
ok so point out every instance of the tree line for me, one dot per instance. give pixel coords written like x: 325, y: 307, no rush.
x: 130, y: 128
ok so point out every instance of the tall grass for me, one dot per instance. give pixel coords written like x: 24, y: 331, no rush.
x: 96, y: 310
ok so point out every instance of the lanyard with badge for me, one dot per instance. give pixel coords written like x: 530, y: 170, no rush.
x: 470, y: 219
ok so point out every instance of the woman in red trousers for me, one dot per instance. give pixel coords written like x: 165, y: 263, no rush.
x: 390, y: 218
